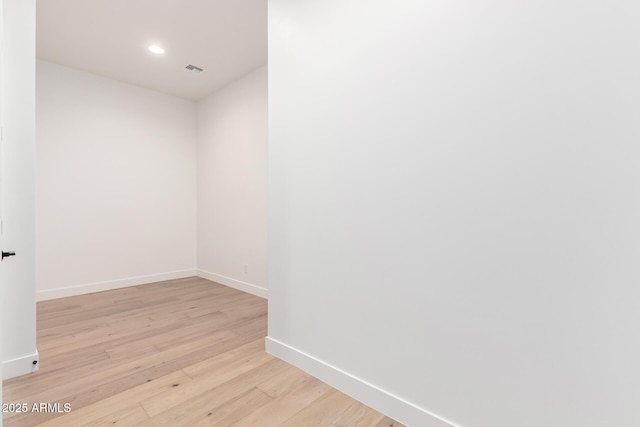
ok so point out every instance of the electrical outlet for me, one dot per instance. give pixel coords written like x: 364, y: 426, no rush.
x: 246, y: 269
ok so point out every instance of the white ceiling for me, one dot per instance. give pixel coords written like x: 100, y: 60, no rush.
x: 227, y: 38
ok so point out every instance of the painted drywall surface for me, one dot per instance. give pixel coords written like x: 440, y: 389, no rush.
x: 454, y: 203
x: 232, y: 182
x: 18, y: 308
x: 116, y: 181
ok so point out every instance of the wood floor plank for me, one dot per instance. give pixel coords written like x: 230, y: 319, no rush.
x: 235, y: 409
x: 88, y: 382
x: 182, y: 352
x: 301, y: 391
x: 388, y: 422
x: 187, y: 411
x: 105, y: 408
x: 323, y: 411
x: 284, y: 383
x: 242, y: 374
x: 130, y: 416
x: 358, y: 415
x: 219, y: 363
x: 45, y: 333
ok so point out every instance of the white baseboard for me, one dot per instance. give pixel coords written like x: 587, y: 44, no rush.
x: 233, y: 283
x: 382, y: 401
x: 20, y: 366
x: 112, y: 284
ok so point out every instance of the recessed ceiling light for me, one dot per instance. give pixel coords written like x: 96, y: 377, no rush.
x: 156, y: 49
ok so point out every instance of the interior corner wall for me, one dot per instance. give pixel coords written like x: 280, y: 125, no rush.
x: 232, y: 184
x: 115, y: 184
x: 454, y: 202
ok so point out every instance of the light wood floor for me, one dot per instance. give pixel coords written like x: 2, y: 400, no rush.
x: 184, y: 352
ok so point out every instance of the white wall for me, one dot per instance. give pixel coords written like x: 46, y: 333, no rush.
x: 116, y: 184
x: 232, y: 184
x: 454, y: 206
x: 17, y: 194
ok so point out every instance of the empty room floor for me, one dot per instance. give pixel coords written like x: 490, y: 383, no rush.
x: 177, y: 353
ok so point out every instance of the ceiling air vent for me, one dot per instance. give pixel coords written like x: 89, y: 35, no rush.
x: 194, y: 69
